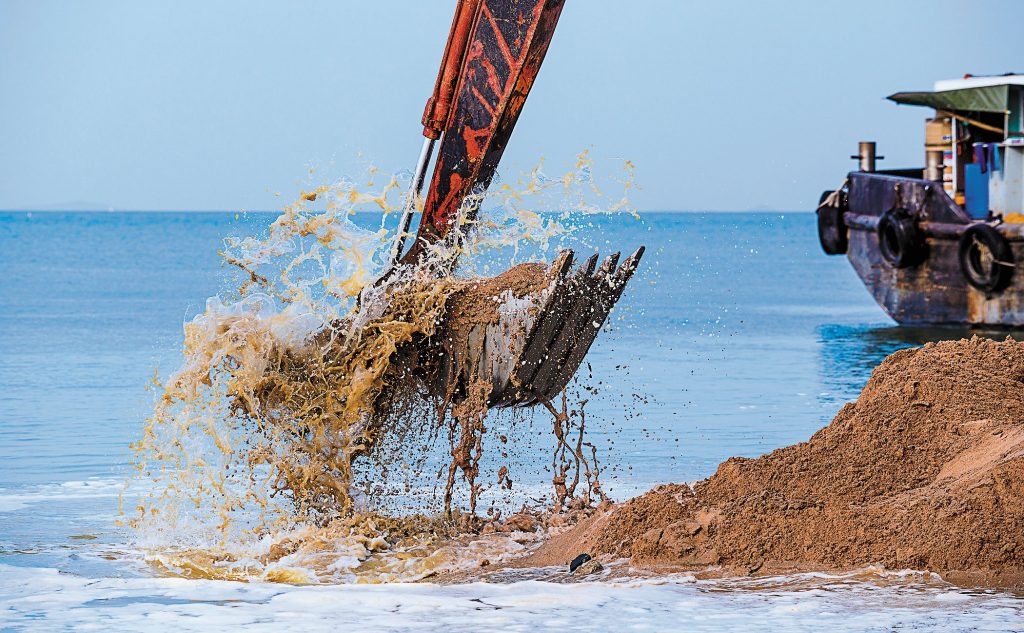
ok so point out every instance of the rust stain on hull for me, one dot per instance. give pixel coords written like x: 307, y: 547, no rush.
x: 934, y: 292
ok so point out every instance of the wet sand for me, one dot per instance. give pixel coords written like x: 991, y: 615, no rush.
x: 924, y: 471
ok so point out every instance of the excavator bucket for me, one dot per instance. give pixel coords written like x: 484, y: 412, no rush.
x: 532, y: 352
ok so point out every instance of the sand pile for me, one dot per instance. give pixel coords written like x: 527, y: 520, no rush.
x: 924, y: 471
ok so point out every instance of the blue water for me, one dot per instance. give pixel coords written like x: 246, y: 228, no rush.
x: 740, y: 334
x: 737, y: 336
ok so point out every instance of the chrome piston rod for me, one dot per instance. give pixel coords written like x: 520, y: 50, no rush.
x: 416, y: 187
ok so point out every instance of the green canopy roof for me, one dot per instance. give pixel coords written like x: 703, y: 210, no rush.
x: 982, y: 99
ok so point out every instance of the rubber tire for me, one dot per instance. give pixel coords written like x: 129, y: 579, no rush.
x: 831, y: 227
x: 900, y: 240
x: 998, y: 276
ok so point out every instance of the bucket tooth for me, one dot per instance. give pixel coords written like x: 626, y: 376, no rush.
x: 607, y: 266
x: 562, y: 264
x: 629, y: 266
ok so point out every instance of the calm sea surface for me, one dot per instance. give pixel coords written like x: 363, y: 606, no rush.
x: 737, y: 336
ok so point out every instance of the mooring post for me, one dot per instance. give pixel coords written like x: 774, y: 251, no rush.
x: 866, y: 155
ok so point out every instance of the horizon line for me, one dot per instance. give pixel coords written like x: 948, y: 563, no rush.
x: 244, y: 211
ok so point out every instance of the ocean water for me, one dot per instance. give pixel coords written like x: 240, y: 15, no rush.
x: 737, y: 336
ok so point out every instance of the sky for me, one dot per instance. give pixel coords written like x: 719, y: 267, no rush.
x: 218, y: 105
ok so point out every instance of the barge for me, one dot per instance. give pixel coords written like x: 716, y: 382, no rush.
x: 942, y: 244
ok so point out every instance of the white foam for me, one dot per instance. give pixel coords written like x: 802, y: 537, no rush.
x: 12, y: 500
x: 46, y: 599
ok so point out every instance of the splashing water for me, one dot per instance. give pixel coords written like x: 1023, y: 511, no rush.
x: 252, y: 449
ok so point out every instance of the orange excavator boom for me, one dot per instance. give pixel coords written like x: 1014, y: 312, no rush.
x: 494, y: 51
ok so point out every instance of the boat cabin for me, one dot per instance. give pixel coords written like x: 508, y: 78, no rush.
x: 979, y: 128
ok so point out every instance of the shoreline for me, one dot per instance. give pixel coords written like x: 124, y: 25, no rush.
x: 924, y: 472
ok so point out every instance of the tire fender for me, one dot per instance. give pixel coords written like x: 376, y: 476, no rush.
x: 986, y: 259
x: 900, y: 240
x: 831, y: 227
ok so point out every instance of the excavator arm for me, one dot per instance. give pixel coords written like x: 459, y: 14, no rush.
x: 495, y: 49
x: 494, y: 52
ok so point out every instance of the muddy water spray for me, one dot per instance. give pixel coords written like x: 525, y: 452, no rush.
x: 251, y: 447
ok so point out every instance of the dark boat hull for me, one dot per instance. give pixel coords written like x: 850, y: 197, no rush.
x: 934, y: 292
